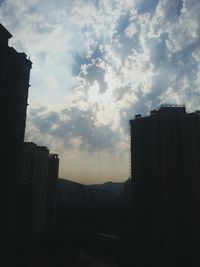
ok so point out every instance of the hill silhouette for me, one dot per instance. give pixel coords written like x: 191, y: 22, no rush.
x: 70, y: 191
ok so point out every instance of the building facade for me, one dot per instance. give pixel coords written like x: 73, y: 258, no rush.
x: 165, y: 170
x: 38, y: 180
x: 50, y: 212
x: 14, y: 84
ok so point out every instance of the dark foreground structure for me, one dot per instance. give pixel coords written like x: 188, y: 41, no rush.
x: 14, y: 84
x: 165, y: 165
x: 37, y: 199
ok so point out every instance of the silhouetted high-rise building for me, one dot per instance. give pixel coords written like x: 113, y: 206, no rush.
x: 39, y: 175
x: 34, y: 179
x: 165, y: 166
x: 53, y: 169
x: 14, y: 84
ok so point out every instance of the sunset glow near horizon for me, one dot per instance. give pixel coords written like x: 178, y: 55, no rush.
x: 97, y: 63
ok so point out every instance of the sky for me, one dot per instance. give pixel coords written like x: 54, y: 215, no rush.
x: 98, y: 63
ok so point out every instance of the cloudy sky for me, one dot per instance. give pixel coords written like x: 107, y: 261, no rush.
x: 97, y: 63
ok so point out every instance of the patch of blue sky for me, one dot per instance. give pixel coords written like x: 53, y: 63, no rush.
x: 179, y: 7
x: 147, y: 6
x: 123, y: 23
x: 158, y: 50
x: 80, y: 59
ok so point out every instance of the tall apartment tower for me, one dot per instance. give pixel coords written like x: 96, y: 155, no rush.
x: 38, y: 179
x: 14, y: 84
x: 50, y: 216
x: 165, y: 169
x: 32, y: 200
x: 33, y: 184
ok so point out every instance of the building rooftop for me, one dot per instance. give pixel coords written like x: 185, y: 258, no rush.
x: 164, y: 108
x: 171, y: 106
x: 5, y: 32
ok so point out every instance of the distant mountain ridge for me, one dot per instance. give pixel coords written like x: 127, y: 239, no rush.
x: 69, y: 191
x: 114, y: 187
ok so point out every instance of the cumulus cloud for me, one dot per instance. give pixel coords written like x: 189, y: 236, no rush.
x: 73, y: 126
x: 98, y: 63
x: 94, y: 72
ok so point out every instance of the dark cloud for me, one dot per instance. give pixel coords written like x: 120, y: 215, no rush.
x: 76, y: 123
x: 79, y: 60
x: 95, y: 72
x: 173, y: 8
x: 85, y: 58
x: 179, y: 8
x: 44, y: 121
x: 2, y: 1
x: 127, y: 43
